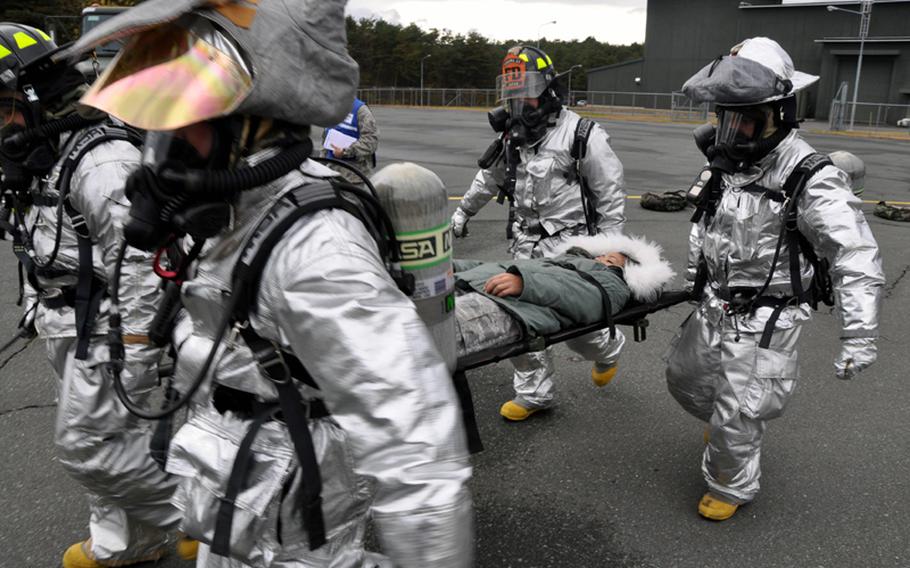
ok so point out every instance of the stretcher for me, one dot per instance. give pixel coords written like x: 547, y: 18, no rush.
x: 634, y: 314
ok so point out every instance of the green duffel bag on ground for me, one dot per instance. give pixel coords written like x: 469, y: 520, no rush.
x: 890, y: 212
x: 666, y: 201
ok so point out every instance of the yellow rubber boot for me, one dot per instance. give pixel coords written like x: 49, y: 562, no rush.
x: 706, y: 436
x: 715, y: 508
x: 603, y: 374
x: 80, y: 555
x: 187, y: 548
x: 515, y: 412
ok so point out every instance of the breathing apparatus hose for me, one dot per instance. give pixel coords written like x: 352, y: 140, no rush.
x: 255, y: 175
x: 53, y: 128
x: 366, y: 181
x: 223, y: 182
x: 117, y: 351
x: 58, y: 231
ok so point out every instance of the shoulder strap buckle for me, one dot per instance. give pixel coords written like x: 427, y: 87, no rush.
x: 271, y: 362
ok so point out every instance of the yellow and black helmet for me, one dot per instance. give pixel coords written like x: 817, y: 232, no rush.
x: 21, y: 46
x: 527, y: 73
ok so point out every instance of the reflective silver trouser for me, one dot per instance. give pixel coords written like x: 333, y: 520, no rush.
x: 735, y: 386
x: 533, y: 377
x: 267, y: 527
x: 106, y: 449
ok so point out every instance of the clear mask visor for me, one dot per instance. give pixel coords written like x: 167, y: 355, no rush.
x: 520, y: 85
x: 11, y: 110
x: 518, y: 107
x: 735, y: 127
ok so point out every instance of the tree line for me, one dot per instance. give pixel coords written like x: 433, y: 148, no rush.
x: 389, y: 54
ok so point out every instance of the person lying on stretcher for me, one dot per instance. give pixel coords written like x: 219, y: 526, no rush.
x: 498, y: 303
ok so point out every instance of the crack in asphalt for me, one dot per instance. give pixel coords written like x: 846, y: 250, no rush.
x: 890, y: 289
x: 26, y: 407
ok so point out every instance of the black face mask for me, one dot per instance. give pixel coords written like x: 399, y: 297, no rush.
x: 176, y: 192
x: 705, y: 136
x: 528, y: 124
x: 23, y: 163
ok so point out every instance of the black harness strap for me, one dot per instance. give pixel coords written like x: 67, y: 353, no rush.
x: 277, y: 365
x: 89, y: 290
x: 796, y: 244
x: 221, y: 539
x: 578, y: 153
x: 796, y: 241
x: 294, y: 409
x: 272, y: 361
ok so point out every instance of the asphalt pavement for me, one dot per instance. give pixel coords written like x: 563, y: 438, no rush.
x: 609, y: 477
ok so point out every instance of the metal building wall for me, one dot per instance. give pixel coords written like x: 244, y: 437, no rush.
x: 681, y: 37
x: 619, y: 77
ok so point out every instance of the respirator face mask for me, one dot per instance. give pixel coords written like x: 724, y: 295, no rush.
x: 164, y: 201
x: 520, y: 92
x: 739, y: 134
x: 21, y: 163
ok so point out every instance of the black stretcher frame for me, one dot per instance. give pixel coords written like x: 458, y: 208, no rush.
x: 634, y: 314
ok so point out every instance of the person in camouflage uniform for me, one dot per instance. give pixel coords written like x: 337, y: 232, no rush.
x: 360, y: 124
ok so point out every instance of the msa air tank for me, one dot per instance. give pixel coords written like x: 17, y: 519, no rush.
x: 416, y: 200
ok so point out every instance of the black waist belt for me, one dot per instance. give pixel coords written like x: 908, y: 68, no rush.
x: 65, y: 298
x: 742, y: 300
x: 287, y: 409
x: 247, y: 406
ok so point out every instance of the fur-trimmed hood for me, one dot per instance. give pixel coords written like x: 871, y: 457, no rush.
x: 646, y: 271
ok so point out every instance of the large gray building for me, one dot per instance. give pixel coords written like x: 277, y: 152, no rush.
x: 681, y: 37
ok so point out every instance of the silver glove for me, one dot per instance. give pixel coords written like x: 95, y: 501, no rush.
x: 856, y: 354
x: 460, y: 222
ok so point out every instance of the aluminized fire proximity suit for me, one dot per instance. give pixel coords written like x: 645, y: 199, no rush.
x: 548, y: 210
x: 393, y: 446
x: 715, y: 368
x: 98, y: 442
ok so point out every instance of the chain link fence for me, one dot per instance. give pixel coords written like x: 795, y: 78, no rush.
x: 662, y: 106
x: 669, y: 106
x: 869, y: 116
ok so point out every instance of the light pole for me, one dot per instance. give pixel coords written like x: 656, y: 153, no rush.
x: 865, y: 15
x: 538, y: 31
x: 421, y: 76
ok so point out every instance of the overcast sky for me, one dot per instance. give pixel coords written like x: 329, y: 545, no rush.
x: 613, y: 21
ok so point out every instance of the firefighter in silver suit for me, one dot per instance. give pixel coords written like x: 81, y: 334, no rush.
x: 554, y: 196
x: 69, y: 220
x: 781, y: 221
x: 381, y: 414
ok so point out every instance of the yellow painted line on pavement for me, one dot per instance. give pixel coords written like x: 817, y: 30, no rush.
x: 459, y: 197
x: 866, y: 201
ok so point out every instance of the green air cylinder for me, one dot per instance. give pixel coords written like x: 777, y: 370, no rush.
x: 416, y: 200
